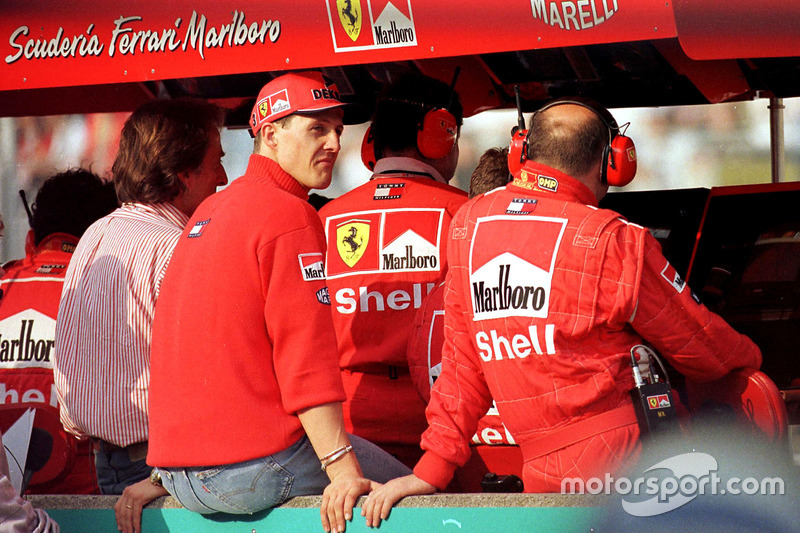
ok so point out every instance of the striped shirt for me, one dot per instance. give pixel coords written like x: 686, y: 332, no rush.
x: 103, y: 331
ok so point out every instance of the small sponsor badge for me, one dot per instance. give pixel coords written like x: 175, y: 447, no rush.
x: 50, y: 269
x: 388, y: 191
x: 323, y: 296
x: 659, y: 401
x: 521, y: 206
x: 312, y: 266
x: 198, y: 228
x: 673, y: 278
x: 547, y: 183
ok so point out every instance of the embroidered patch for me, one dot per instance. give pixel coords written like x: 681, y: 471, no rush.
x: 546, y: 183
x: 323, y: 296
x: 198, y: 228
x: 673, y: 278
x: 521, y: 206
x: 388, y: 191
x: 312, y: 266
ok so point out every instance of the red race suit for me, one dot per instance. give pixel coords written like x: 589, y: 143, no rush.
x: 31, y: 290
x: 386, y: 252
x: 425, y: 364
x: 545, y: 297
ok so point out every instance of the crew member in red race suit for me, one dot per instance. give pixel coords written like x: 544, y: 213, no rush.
x: 545, y: 299
x: 386, y: 252
x: 30, y: 290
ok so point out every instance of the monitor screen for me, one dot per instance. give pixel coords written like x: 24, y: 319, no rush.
x: 672, y: 216
x: 746, y: 268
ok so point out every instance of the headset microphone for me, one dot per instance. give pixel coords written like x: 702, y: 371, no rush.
x: 518, y: 150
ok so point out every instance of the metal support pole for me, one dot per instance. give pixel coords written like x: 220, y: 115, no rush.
x: 777, y: 144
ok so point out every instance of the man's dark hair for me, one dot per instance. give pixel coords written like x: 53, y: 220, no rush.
x: 69, y: 202
x: 402, y: 106
x: 573, y: 147
x: 159, y: 140
x: 491, y: 172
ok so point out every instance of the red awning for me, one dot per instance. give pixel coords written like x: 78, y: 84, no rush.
x: 73, y: 42
x: 732, y: 29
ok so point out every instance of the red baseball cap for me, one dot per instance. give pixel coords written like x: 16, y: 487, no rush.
x: 296, y: 92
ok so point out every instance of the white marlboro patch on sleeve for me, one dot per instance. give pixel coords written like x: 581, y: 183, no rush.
x: 198, y: 228
x: 312, y: 266
x: 673, y: 278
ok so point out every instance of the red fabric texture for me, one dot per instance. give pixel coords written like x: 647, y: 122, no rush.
x: 385, y: 253
x: 242, y: 338
x: 545, y: 297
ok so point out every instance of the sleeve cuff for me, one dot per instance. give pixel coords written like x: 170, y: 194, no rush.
x: 434, y: 470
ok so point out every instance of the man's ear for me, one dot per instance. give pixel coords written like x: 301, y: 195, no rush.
x: 268, y: 135
x: 185, y: 177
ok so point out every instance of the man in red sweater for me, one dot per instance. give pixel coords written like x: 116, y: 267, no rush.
x: 245, y: 393
x: 386, y: 253
x: 545, y: 299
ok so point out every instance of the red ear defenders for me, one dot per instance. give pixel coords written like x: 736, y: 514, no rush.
x: 436, y: 135
x: 368, y: 150
x: 619, y: 153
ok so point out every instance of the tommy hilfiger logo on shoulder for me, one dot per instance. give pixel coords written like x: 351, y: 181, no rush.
x: 198, y: 228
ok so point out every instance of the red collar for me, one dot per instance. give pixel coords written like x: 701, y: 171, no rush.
x: 537, y: 179
x: 264, y: 169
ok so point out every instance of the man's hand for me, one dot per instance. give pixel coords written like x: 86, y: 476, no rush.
x: 339, y: 498
x: 380, y: 501
x: 128, y: 508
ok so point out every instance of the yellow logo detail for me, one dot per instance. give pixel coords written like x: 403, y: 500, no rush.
x: 351, y: 241
x: 524, y: 180
x: 547, y: 183
x: 350, y: 16
x: 264, y: 108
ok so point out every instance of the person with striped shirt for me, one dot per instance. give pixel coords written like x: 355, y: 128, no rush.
x: 169, y: 160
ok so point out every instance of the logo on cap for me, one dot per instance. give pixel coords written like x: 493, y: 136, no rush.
x: 274, y: 104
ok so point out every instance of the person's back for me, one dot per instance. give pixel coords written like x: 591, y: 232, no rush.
x: 30, y: 289
x: 169, y: 160
x: 548, y: 299
x: 386, y: 253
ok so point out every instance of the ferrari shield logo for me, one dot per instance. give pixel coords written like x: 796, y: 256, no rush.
x: 351, y: 241
x: 350, y: 16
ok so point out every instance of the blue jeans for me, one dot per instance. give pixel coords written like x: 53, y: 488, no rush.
x: 258, y: 484
x: 115, y: 470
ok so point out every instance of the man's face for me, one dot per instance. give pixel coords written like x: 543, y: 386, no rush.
x: 203, y: 181
x: 308, y: 145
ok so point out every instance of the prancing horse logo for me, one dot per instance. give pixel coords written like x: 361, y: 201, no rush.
x: 350, y: 17
x: 351, y: 240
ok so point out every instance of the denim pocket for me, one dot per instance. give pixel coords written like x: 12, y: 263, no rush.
x: 247, y: 487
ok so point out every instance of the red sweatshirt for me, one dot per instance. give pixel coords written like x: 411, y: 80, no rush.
x: 242, y: 336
